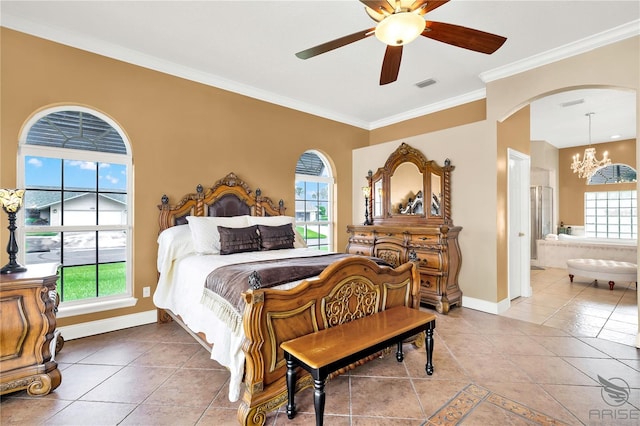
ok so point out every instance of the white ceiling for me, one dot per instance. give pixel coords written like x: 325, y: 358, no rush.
x: 248, y: 47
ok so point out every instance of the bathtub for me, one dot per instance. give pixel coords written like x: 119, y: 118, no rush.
x: 554, y: 253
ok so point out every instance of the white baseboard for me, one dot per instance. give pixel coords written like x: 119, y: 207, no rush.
x: 91, y: 328
x: 485, y: 306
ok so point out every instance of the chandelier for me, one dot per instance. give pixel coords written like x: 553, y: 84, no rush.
x: 589, y: 164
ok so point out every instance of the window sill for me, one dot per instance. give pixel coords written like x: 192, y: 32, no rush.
x: 89, y: 308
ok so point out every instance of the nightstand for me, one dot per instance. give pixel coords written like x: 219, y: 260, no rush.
x: 28, y: 301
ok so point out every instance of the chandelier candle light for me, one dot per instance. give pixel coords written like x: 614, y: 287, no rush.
x: 11, y: 200
x: 589, y: 164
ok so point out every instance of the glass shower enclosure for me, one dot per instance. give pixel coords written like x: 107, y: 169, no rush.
x: 541, y: 215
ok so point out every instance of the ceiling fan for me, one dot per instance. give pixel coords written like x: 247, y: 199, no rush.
x: 402, y: 21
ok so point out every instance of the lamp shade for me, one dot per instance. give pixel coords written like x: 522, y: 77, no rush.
x: 11, y: 199
x: 400, y: 28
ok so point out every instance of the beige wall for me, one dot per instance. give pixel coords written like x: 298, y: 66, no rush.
x: 182, y: 133
x: 472, y: 203
x: 572, y: 188
x: 445, y: 119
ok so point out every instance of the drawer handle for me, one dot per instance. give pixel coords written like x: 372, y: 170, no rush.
x: 423, y: 238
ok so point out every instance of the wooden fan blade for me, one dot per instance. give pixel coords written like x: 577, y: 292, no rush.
x: 431, y: 5
x: 378, y: 5
x: 464, y: 37
x: 334, y: 44
x: 391, y: 65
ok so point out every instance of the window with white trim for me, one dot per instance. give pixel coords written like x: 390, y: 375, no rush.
x: 314, y: 200
x: 611, y: 214
x: 75, y: 165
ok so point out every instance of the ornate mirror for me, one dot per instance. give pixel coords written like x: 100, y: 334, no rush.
x: 410, y: 189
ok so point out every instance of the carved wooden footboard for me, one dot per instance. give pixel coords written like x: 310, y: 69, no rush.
x: 346, y: 290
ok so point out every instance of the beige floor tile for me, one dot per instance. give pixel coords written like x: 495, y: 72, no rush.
x: 28, y: 411
x: 163, y: 415
x: 91, y: 413
x: 130, y: 384
x: 569, y: 346
x: 606, y: 368
x: 179, y: 388
x: 79, y: 379
x: 375, y: 397
x: 555, y: 370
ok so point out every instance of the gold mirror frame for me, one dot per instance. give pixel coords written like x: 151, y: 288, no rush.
x: 434, y: 191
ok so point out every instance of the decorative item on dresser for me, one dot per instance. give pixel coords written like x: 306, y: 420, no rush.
x: 28, y: 330
x: 422, y: 228
x: 11, y: 200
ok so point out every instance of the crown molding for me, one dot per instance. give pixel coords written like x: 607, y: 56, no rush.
x: 429, y: 109
x: 135, y: 57
x: 595, y: 41
x: 153, y: 63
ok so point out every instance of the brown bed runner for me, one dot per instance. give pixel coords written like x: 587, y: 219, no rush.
x: 230, y: 281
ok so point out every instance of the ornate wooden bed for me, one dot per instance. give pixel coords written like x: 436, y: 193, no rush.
x: 347, y: 289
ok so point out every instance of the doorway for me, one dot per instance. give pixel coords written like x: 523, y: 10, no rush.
x: 519, y: 217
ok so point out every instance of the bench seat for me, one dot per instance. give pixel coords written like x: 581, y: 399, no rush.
x: 331, y: 349
x: 600, y: 269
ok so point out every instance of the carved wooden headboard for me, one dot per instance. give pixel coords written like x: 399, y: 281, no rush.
x: 229, y: 196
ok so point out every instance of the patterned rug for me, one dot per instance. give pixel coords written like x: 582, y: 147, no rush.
x: 469, y: 398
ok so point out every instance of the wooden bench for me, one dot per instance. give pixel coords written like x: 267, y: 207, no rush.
x: 331, y: 349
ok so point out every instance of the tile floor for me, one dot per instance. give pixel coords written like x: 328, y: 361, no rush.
x: 489, y: 370
x: 581, y: 308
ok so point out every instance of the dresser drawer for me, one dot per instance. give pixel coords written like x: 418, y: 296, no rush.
x: 429, y: 260
x: 424, y: 239
x: 430, y: 287
x: 398, y: 236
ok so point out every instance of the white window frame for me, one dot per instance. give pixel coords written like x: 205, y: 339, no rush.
x: 95, y: 304
x: 331, y: 206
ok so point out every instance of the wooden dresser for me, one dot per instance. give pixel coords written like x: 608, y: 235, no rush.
x: 409, y: 199
x: 437, y: 251
x: 27, y: 325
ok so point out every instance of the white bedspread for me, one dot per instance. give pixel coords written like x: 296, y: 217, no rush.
x: 180, y: 289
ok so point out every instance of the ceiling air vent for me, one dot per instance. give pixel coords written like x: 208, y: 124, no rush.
x: 572, y: 103
x: 425, y: 83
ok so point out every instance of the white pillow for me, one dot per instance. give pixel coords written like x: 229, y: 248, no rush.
x: 299, y: 242
x: 173, y: 243
x: 204, y: 231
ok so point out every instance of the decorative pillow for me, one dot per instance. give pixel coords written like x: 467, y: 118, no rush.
x: 204, y: 231
x: 299, y: 242
x: 276, y: 237
x: 173, y: 243
x: 238, y: 240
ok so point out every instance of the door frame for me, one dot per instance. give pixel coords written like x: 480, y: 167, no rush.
x: 519, y: 207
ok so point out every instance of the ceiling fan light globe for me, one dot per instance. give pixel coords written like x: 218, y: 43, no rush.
x: 400, y: 28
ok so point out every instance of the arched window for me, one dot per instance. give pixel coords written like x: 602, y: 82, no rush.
x: 613, y: 173
x: 75, y: 165
x: 314, y: 200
